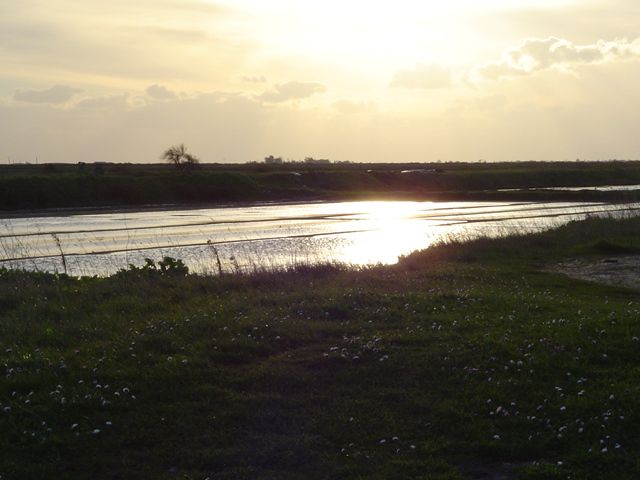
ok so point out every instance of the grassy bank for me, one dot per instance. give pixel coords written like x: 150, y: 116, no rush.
x: 461, y: 361
x: 68, y: 186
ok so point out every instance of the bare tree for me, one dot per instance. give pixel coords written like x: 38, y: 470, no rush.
x: 178, y: 156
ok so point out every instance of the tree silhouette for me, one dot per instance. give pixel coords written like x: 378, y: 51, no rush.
x: 178, y: 156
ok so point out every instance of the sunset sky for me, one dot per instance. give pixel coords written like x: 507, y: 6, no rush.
x: 236, y: 80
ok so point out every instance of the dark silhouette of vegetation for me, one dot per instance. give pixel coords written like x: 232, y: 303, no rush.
x: 177, y: 155
x: 107, y: 184
x: 271, y: 160
x: 168, y: 267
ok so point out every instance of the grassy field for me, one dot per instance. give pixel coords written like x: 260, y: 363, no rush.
x: 99, y: 185
x: 462, y: 361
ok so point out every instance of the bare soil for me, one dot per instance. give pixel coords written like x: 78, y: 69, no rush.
x: 619, y: 271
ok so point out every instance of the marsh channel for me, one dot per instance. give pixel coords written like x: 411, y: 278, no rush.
x: 266, y: 236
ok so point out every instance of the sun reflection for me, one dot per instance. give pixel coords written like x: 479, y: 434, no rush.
x: 392, y: 229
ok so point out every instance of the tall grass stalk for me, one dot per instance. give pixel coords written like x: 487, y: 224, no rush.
x: 56, y: 239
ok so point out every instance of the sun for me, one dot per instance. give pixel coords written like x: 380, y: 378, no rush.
x: 375, y: 34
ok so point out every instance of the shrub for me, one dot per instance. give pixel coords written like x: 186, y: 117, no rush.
x: 168, y: 267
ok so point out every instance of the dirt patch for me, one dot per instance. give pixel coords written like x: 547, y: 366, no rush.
x: 619, y: 271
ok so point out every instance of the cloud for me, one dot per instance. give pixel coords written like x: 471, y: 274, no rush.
x: 588, y: 117
x: 583, y: 21
x: 535, y: 54
x: 255, y: 79
x: 116, y: 128
x: 102, y: 43
x: 55, y: 94
x: 174, y: 35
x: 349, y: 107
x: 423, y: 77
x: 160, y: 92
x: 292, y: 91
x: 104, y: 102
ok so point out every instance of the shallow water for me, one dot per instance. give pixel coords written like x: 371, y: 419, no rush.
x: 601, y: 188
x: 267, y: 236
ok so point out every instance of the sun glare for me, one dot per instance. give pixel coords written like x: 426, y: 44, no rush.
x: 381, y: 33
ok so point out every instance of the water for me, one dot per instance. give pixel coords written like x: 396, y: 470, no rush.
x: 601, y: 188
x: 268, y: 236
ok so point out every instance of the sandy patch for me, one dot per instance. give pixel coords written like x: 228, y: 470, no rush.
x: 619, y: 271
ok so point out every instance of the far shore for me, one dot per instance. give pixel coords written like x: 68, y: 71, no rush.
x: 515, y: 196
x: 63, y: 189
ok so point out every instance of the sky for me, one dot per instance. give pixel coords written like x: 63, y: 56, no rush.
x: 378, y: 81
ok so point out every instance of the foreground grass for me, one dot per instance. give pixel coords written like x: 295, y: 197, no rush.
x: 462, y: 361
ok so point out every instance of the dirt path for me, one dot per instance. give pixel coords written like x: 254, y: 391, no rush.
x: 619, y: 271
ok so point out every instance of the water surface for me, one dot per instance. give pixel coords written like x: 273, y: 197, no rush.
x: 266, y: 236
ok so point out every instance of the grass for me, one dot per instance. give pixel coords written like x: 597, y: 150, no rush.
x: 118, y: 185
x: 461, y: 359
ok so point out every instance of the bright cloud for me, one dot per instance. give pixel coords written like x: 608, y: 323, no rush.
x: 424, y: 77
x: 292, y: 91
x: 541, y: 54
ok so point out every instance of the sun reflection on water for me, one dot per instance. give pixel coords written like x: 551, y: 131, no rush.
x: 391, y: 229
x: 272, y: 235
